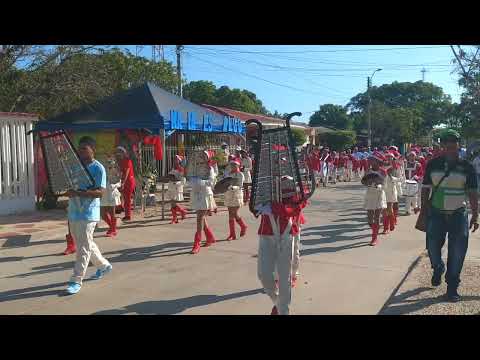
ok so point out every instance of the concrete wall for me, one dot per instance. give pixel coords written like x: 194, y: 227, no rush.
x: 17, y: 175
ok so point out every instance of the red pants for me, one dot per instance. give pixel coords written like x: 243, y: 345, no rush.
x: 364, y: 165
x: 355, y: 165
x: 127, y: 193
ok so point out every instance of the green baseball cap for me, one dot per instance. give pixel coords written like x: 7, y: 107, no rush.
x: 449, y: 133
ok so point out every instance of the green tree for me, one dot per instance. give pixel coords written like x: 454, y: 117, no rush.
x: 200, y: 92
x: 468, y: 111
x: 339, y: 140
x: 299, y: 136
x: 278, y: 115
x: 205, y: 92
x: 431, y: 105
x: 64, y: 78
x: 330, y: 115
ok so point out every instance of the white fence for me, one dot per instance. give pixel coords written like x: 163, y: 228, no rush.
x: 17, y: 177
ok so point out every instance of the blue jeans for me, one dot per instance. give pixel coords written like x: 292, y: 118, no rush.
x: 456, y: 225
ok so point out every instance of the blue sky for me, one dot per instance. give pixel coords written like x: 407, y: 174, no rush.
x: 292, y: 78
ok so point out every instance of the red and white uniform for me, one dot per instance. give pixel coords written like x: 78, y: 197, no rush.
x: 375, y: 197
x: 247, y: 166
x: 175, y: 188
x: 325, y: 159
x: 202, y: 190
x: 278, y: 227
x: 413, y: 175
x: 233, y: 197
x: 126, y: 165
x: 300, y: 219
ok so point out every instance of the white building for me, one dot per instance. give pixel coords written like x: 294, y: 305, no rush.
x: 17, y: 176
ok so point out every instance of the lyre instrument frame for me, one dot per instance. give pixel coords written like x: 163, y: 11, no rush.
x: 192, y: 169
x: 46, y: 155
x: 275, y: 188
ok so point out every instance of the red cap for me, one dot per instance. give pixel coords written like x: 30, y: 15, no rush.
x: 378, y: 156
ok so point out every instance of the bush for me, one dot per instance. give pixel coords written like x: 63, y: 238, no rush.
x: 339, y: 140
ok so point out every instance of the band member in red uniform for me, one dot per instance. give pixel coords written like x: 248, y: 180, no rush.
x: 128, y: 181
x: 314, y: 164
x: 277, y: 228
x: 375, y: 199
x: 175, y: 190
x: 332, y: 167
x: 246, y: 167
x: 234, y: 199
x: 349, y: 161
x: 413, y: 174
x: 202, y: 200
x: 391, y: 193
x: 356, y: 163
x: 399, y: 173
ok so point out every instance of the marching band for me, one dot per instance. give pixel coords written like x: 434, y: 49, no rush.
x: 276, y: 194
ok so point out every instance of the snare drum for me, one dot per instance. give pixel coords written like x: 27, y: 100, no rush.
x: 411, y: 188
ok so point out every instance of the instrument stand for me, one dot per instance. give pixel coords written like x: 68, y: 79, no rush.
x: 163, y: 201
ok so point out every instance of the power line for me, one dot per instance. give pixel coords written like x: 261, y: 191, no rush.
x: 330, y: 51
x: 259, y: 78
x: 215, y: 51
x: 308, y: 80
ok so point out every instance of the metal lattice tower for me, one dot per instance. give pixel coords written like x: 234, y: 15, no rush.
x: 158, y: 53
x: 138, y: 49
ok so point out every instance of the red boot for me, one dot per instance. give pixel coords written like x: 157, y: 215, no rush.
x: 174, y: 216
x: 210, y: 238
x: 386, y: 221
x: 196, y: 242
x: 243, y: 226
x: 182, y: 211
x: 114, y: 226
x: 71, y: 248
x: 392, y: 222
x: 274, y: 311
x: 375, y: 228
x: 231, y: 224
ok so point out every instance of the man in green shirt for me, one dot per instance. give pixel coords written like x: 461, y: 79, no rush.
x: 450, y: 180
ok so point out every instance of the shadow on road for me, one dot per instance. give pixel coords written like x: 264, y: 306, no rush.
x: 362, y: 219
x: 170, y: 307
x: 330, y: 234
x: 401, y: 305
x: 124, y: 255
x: 330, y: 249
x: 32, y: 292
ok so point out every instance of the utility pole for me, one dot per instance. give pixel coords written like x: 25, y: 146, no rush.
x: 369, y: 114
x: 423, y: 74
x: 178, y: 51
x: 369, y: 83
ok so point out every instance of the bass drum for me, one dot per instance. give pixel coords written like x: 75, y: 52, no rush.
x: 411, y: 188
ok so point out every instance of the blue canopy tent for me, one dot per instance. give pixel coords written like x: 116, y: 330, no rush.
x: 146, y: 107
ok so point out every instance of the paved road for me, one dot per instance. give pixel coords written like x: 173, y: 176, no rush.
x: 153, y: 272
